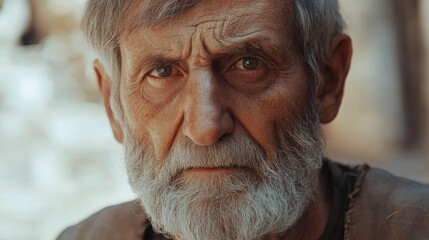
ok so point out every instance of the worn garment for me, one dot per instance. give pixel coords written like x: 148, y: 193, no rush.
x: 368, y: 203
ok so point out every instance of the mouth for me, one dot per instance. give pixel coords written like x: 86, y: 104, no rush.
x: 207, y: 171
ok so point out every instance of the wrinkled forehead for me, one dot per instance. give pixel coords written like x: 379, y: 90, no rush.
x: 152, y: 13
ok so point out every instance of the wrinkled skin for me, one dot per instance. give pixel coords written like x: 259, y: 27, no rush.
x: 223, y: 68
x: 209, y: 92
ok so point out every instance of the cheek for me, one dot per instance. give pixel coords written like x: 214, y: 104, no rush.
x: 156, y: 125
x: 264, y: 115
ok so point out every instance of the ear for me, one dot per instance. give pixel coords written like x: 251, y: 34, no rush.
x: 104, y: 85
x: 331, y: 87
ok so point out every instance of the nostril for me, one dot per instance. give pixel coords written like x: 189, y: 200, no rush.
x: 224, y: 137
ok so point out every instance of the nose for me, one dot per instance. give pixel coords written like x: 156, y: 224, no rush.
x: 206, y: 114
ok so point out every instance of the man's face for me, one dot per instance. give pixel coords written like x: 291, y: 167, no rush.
x: 223, y: 67
x: 219, y: 119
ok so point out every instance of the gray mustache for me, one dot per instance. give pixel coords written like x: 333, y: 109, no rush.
x: 229, y: 152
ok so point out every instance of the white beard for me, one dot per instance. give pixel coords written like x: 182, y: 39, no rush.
x: 267, y: 196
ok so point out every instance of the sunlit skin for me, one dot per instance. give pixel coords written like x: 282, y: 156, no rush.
x: 210, y: 92
x: 221, y: 68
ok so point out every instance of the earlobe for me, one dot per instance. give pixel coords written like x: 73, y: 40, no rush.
x: 331, y: 87
x: 104, y: 82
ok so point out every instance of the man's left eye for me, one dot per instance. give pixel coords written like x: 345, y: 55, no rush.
x: 161, y: 72
x: 248, y: 63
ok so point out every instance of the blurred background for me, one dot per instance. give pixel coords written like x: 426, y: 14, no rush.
x: 59, y: 161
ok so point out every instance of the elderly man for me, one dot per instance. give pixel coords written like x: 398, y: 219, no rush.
x: 218, y: 105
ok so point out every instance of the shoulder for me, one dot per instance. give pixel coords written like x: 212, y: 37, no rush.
x: 389, y: 207
x: 124, y: 221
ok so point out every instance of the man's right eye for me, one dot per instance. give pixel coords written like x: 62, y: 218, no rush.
x: 161, y: 72
x: 164, y: 76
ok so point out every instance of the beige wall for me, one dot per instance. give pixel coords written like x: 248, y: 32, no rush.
x: 370, y: 125
x: 425, y: 17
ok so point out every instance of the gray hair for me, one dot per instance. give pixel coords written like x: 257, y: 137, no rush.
x: 315, y: 23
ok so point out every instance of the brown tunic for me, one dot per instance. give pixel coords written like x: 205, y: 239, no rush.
x: 368, y: 204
